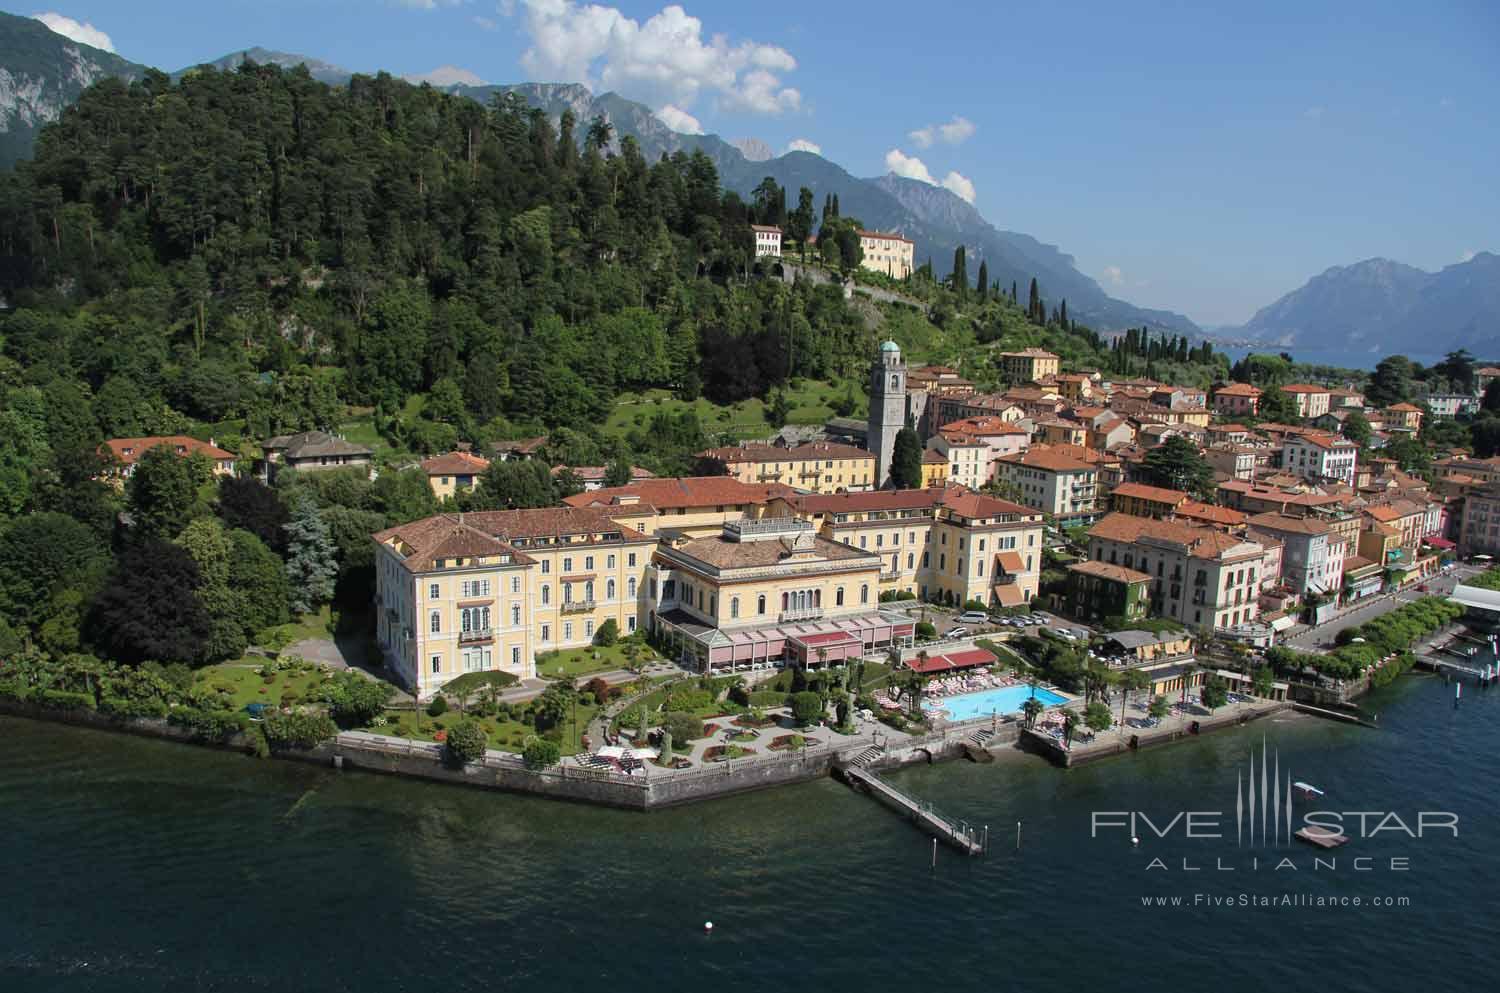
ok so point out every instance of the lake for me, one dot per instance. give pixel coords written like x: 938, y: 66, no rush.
x: 135, y: 865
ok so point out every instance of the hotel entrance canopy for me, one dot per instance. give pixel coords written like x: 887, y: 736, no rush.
x: 839, y: 638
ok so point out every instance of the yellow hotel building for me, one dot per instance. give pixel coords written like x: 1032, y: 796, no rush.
x: 818, y: 466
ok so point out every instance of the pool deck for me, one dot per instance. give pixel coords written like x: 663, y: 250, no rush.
x: 1121, y: 738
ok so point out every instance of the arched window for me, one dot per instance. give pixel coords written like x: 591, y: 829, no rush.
x: 864, y: 594
x: 817, y: 598
x: 630, y: 588
x: 760, y: 604
x: 546, y: 594
x: 588, y: 590
x: 838, y: 597
x: 785, y: 599
x: 734, y: 606
x: 609, y: 590
x: 895, y: 382
x: 437, y: 622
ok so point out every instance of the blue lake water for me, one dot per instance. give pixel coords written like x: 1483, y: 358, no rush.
x: 1002, y: 700
x: 136, y: 866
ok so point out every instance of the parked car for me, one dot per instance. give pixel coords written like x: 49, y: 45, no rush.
x: 958, y: 633
x: 973, y: 617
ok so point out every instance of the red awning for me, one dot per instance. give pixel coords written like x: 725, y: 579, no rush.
x: 967, y: 659
x: 1442, y: 543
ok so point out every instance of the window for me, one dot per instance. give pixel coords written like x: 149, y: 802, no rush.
x: 864, y: 594
x: 630, y: 559
x: 910, y: 558
x: 515, y: 656
x: 546, y: 594
x: 588, y: 629
x: 436, y: 623
x: 476, y: 659
x: 567, y: 565
x: 838, y: 597
x: 515, y: 584
x: 630, y: 587
x: 960, y: 567
x: 588, y: 591
x: 437, y: 663
x: 546, y: 566
x: 610, y: 562
x: 567, y: 631
x: 546, y: 632
x: 943, y: 562
x: 609, y: 590
x: 475, y: 588
x: 515, y: 615
x: 734, y: 606
x: 588, y: 563
x: 475, y: 620
x: 630, y: 623
x: 979, y: 566
x: 760, y: 604
x: 432, y: 591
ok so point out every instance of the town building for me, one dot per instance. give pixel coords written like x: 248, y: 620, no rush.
x: 947, y: 544
x: 1312, y: 553
x: 886, y: 252
x: 1097, y: 590
x: 488, y: 591
x: 592, y: 476
x: 693, y: 505
x: 767, y: 240
x: 1450, y: 405
x: 311, y: 451
x: 1237, y: 400
x: 1320, y: 456
x: 126, y: 452
x: 934, y: 468
x: 1146, y: 501
x: 768, y: 591
x: 1060, y: 485
x: 1200, y: 576
x: 818, y: 466
x: 1028, y: 365
x: 1479, y: 527
x: 1311, y: 400
x: 999, y: 436
x: 968, y: 458
x: 1404, y: 415
x: 452, y: 473
x: 519, y: 449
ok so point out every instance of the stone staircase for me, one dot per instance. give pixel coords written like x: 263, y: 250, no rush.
x: 869, y: 755
x: 982, y: 738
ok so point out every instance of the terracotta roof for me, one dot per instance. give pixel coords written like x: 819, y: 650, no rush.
x: 521, y: 446
x: 1405, y: 408
x: 1106, y: 570
x: 1029, y: 353
x: 129, y: 450
x: 859, y: 503
x: 593, y: 473
x: 885, y: 234
x: 984, y: 424
x: 721, y: 553
x: 1322, y: 440
x: 765, y: 227
x: 931, y: 456
x: 1200, y: 542
x: 1303, y: 388
x: 1042, y: 457
x: 684, y: 491
x: 454, y: 464
x: 978, y: 506
x: 812, y: 450
x: 1156, y: 494
x: 1287, y: 524
x: 1383, y: 513
x: 1353, y: 563
x: 1196, y: 511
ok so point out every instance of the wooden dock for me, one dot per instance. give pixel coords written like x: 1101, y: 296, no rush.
x: 956, y: 834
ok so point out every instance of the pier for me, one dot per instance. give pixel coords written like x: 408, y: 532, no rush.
x: 956, y: 834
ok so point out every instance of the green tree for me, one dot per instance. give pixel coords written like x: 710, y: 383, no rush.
x: 161, y: 493
x: 618, y: 472
x: 541, y: 753
x: 800, y: 222
x: 807, y: 707
x: 1357, y: 428
x: 1071, y: 720
x: 1176, y: 464
x: 1391, y: 382
x: 1215, y: 693
x: 1032, y: 708
x: 1159, y: 707
x: 466, y: 742
x: 403, y: 496
x: 206, y: 541
x: 310, y: 565
x: 354, y: 699
x: 42, y: 557
x: 983, y: 287
x: 960, y: 273
x: 259, y: 576
x: 906, y: 460
x: 553, y: 706
x: 1491, y: 400
x: 683, y: 727
x: 607, y: 633
x: 1131, y: 681
x: 148, y: 608
x: 1278, y: 407
x: 1097, y: 716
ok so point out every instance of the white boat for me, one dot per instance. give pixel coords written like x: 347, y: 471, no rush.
x: 1307, y: 789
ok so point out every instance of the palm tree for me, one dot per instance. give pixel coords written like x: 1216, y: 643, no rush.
x: 1031, y: 708
x: 1070, y: 724
x: 1131, y: 680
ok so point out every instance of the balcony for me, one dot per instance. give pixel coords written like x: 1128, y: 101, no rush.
x: 476, y: 634
x: 801, y: 614
x: 888, y: 576
x: 577, y: 606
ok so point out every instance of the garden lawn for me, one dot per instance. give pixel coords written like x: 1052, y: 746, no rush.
x: 243, y: 678
x: 504, y: 735
x: 307, y: 626
x: 574, y: 662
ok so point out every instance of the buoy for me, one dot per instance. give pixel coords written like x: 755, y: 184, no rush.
x: 708, y: 925
x: 1135, y: 841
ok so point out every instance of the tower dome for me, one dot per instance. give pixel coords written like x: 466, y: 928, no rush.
x: 890, y: 346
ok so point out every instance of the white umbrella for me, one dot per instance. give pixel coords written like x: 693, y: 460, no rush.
x: 611, y: 752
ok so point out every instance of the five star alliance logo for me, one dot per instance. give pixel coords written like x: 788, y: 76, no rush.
x: 1261, y: 804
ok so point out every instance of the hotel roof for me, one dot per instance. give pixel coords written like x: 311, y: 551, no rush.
x: 1042, y: 457
x: 676, y: 492
x: 770, y: 453
x: 1156, y: 494
x: 1106, y: 570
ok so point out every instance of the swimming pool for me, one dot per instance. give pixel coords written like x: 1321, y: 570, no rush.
x: 1005, y: 700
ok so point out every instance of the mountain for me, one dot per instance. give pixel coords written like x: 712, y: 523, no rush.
x: 41, y: 72
x: 937, y: 220
x: 1381, y: 305
x: 323, y: 72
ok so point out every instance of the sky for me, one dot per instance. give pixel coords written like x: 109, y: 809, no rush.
x: 1198, y: 157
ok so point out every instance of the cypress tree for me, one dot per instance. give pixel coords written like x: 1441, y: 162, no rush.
x: 1034, y: 304
x: 1013, y: 297
x: 1063, y: 313
x: 835, y: 205
x: 960, y: 272
x: 984, y: 281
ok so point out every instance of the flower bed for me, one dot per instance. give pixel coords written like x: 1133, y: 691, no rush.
x: 723, y: 753
x: 710, y: 729
x: 746, y: 721
x: 744, y: 736
x: 783, y: 742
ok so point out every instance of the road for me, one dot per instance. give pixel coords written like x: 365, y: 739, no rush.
x: 1322, y: 637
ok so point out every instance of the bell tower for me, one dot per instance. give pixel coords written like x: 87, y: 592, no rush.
x: 887, y: 407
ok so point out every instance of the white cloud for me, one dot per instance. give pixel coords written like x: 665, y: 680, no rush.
x: 1114, y: 276
x: 912, y: 167
x: 803, y: 145
x: 428, y: 4
x: 955, y: 132
x: 664, y: 60
x: 84, y: 34
x: 679, y: 120
x: 447, y: 76
x: 960, y: 185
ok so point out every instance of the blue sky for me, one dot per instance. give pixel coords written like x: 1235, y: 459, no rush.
x: 1204, y: 158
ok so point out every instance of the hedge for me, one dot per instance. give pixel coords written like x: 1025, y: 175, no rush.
x: 298, y: 730
x: 211, y: 725
x: 125, y: 707
x: 63, y: 700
